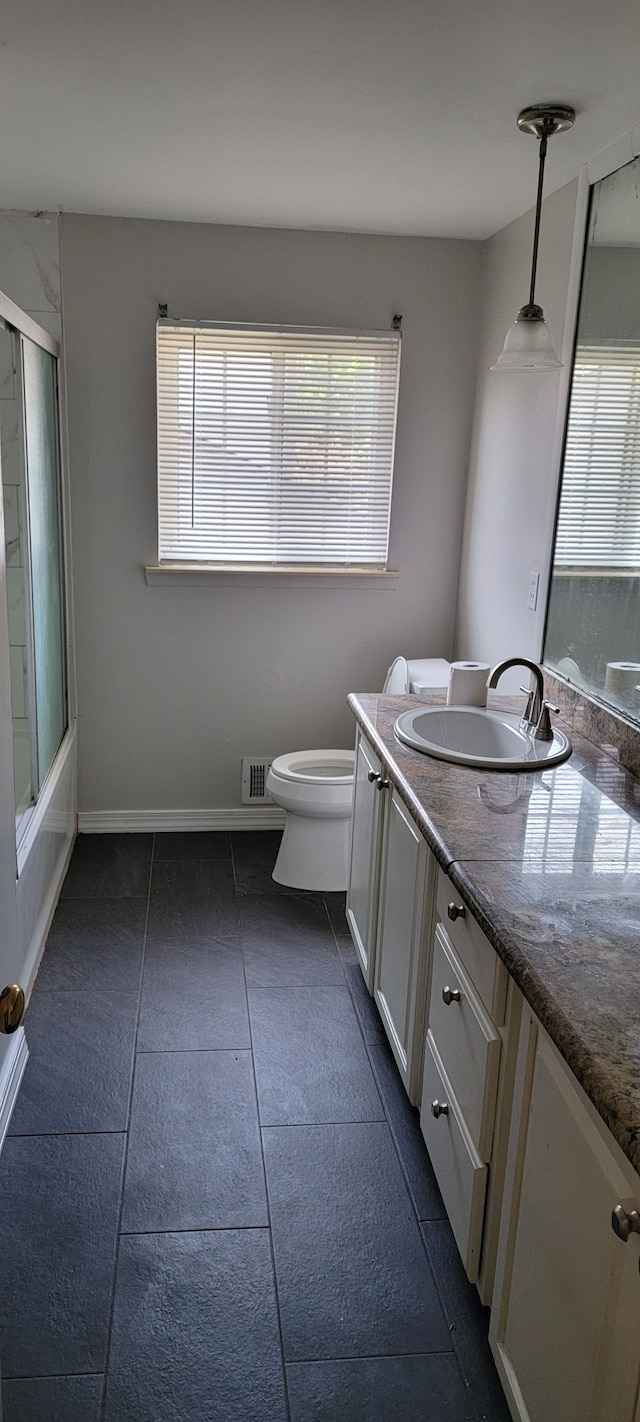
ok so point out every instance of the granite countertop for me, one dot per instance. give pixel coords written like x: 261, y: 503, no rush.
x: 549, y: 866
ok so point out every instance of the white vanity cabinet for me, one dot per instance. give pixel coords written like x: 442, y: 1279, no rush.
x: 565, y: 1321
x: 468, y: 1074
x: 389, y: 907
x: 530, y: 1176
x: 369, y: 805
x: 407, y: 880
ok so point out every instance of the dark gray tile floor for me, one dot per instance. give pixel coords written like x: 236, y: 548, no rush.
x: 215, y: 1201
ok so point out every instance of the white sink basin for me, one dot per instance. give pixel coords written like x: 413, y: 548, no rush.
x: 471, y: 735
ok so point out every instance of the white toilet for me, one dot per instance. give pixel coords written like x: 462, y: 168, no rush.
x: 315, y: 788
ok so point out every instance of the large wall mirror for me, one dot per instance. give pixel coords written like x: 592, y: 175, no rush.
x: 593, y: 621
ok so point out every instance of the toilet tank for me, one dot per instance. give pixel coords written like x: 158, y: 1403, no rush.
x: 416, y: 674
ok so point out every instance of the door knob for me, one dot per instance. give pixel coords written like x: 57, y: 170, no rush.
x: 373, y: 775
x: 455, y: 911
x: 450, y: 995
x: 11, y: 1007
x: 439, y: 1108
x: 383, y: 784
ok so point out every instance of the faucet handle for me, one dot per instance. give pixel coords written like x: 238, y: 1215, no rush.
x: 526, y: 717
x: 543, y: 731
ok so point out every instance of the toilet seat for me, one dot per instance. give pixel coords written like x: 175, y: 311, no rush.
x: 326, y: 767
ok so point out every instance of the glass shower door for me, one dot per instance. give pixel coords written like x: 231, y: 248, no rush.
x: 40, y: 395
x: 34, y: 567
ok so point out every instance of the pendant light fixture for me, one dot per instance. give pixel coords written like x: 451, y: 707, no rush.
x: 527, y: 343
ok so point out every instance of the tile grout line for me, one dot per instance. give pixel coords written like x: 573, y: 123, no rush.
x: 370, y: 1357
x: 285, y: 1383
x: 197, y: 1229
x: 452, y: 1327
x: 116, y: 1256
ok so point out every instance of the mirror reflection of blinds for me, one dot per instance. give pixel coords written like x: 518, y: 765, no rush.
x: 561, y: 830
x: 599, y: 517
x: 275, y: 445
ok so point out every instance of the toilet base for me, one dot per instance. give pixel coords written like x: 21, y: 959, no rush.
x: 314, y: 853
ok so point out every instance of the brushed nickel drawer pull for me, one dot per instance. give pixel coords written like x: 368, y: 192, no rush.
x: 383, y: 784
x: 625, y: 1222
x: 373, y: 775
x: 450, y: 995
x: 455, y: 911
x: 439, y: 1108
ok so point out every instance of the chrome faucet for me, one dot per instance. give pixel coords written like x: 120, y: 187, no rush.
x: 535, y: 716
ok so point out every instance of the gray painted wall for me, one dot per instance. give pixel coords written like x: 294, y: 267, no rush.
x: 175, y: 684
x: 513, y: 472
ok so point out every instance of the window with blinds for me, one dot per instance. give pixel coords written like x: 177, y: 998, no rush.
x: 599, y: 515
x: 275, y: 445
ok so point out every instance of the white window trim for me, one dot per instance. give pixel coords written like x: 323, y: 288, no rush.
x: 271, y: 573
x: 257, y: 576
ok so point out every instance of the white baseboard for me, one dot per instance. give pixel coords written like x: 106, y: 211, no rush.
x: 249, y: 817
x: 11, y: 1074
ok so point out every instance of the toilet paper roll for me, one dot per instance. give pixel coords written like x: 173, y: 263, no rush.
x: 621, y: 679
x: 468, y: 684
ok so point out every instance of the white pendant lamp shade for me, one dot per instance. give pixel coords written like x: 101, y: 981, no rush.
x: 528, y: 344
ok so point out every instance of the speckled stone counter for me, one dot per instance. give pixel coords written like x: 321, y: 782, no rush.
x: 549, y: 866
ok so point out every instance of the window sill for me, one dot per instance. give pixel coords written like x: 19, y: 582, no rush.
x: 250, y: 576
x: 589, y: 570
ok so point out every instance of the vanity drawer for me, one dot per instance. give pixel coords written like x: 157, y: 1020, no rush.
x: 461, y: 1174
x: 467, y: 1042
x: 479, y: 959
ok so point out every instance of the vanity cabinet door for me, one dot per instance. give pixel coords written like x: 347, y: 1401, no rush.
x: 565, y: 1325
x: 407, y: 878
x: 366, y: 838
x: 468, y: 1043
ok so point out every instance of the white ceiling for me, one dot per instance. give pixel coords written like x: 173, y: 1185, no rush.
x: 367, y: 115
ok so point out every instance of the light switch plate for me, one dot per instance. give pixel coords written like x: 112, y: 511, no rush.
x: 532, y: 600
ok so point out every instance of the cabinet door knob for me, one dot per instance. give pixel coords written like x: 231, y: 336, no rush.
x: 439, y: 1108
x: 450, y: 995
x: 383, y: 784
x: 625, y: 1222
x: 373, y: 775
x: 455, y: 911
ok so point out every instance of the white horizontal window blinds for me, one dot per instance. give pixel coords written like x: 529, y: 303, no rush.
x: 275, y: 446
x: 599, y: 516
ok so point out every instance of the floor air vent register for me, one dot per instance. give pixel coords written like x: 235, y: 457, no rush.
x: 254, y: 782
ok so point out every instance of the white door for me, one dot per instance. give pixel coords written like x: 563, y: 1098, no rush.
x: 401, y: 961
x: 565, y: 1322
x: 362, y: 891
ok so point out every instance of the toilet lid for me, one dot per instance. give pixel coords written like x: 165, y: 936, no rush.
x: 328, y: 767
x: 396, y: 682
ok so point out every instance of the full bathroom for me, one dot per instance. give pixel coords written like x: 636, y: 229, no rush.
x: 220, y: 1195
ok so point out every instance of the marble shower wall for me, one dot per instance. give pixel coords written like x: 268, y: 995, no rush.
x: 30, y: 266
